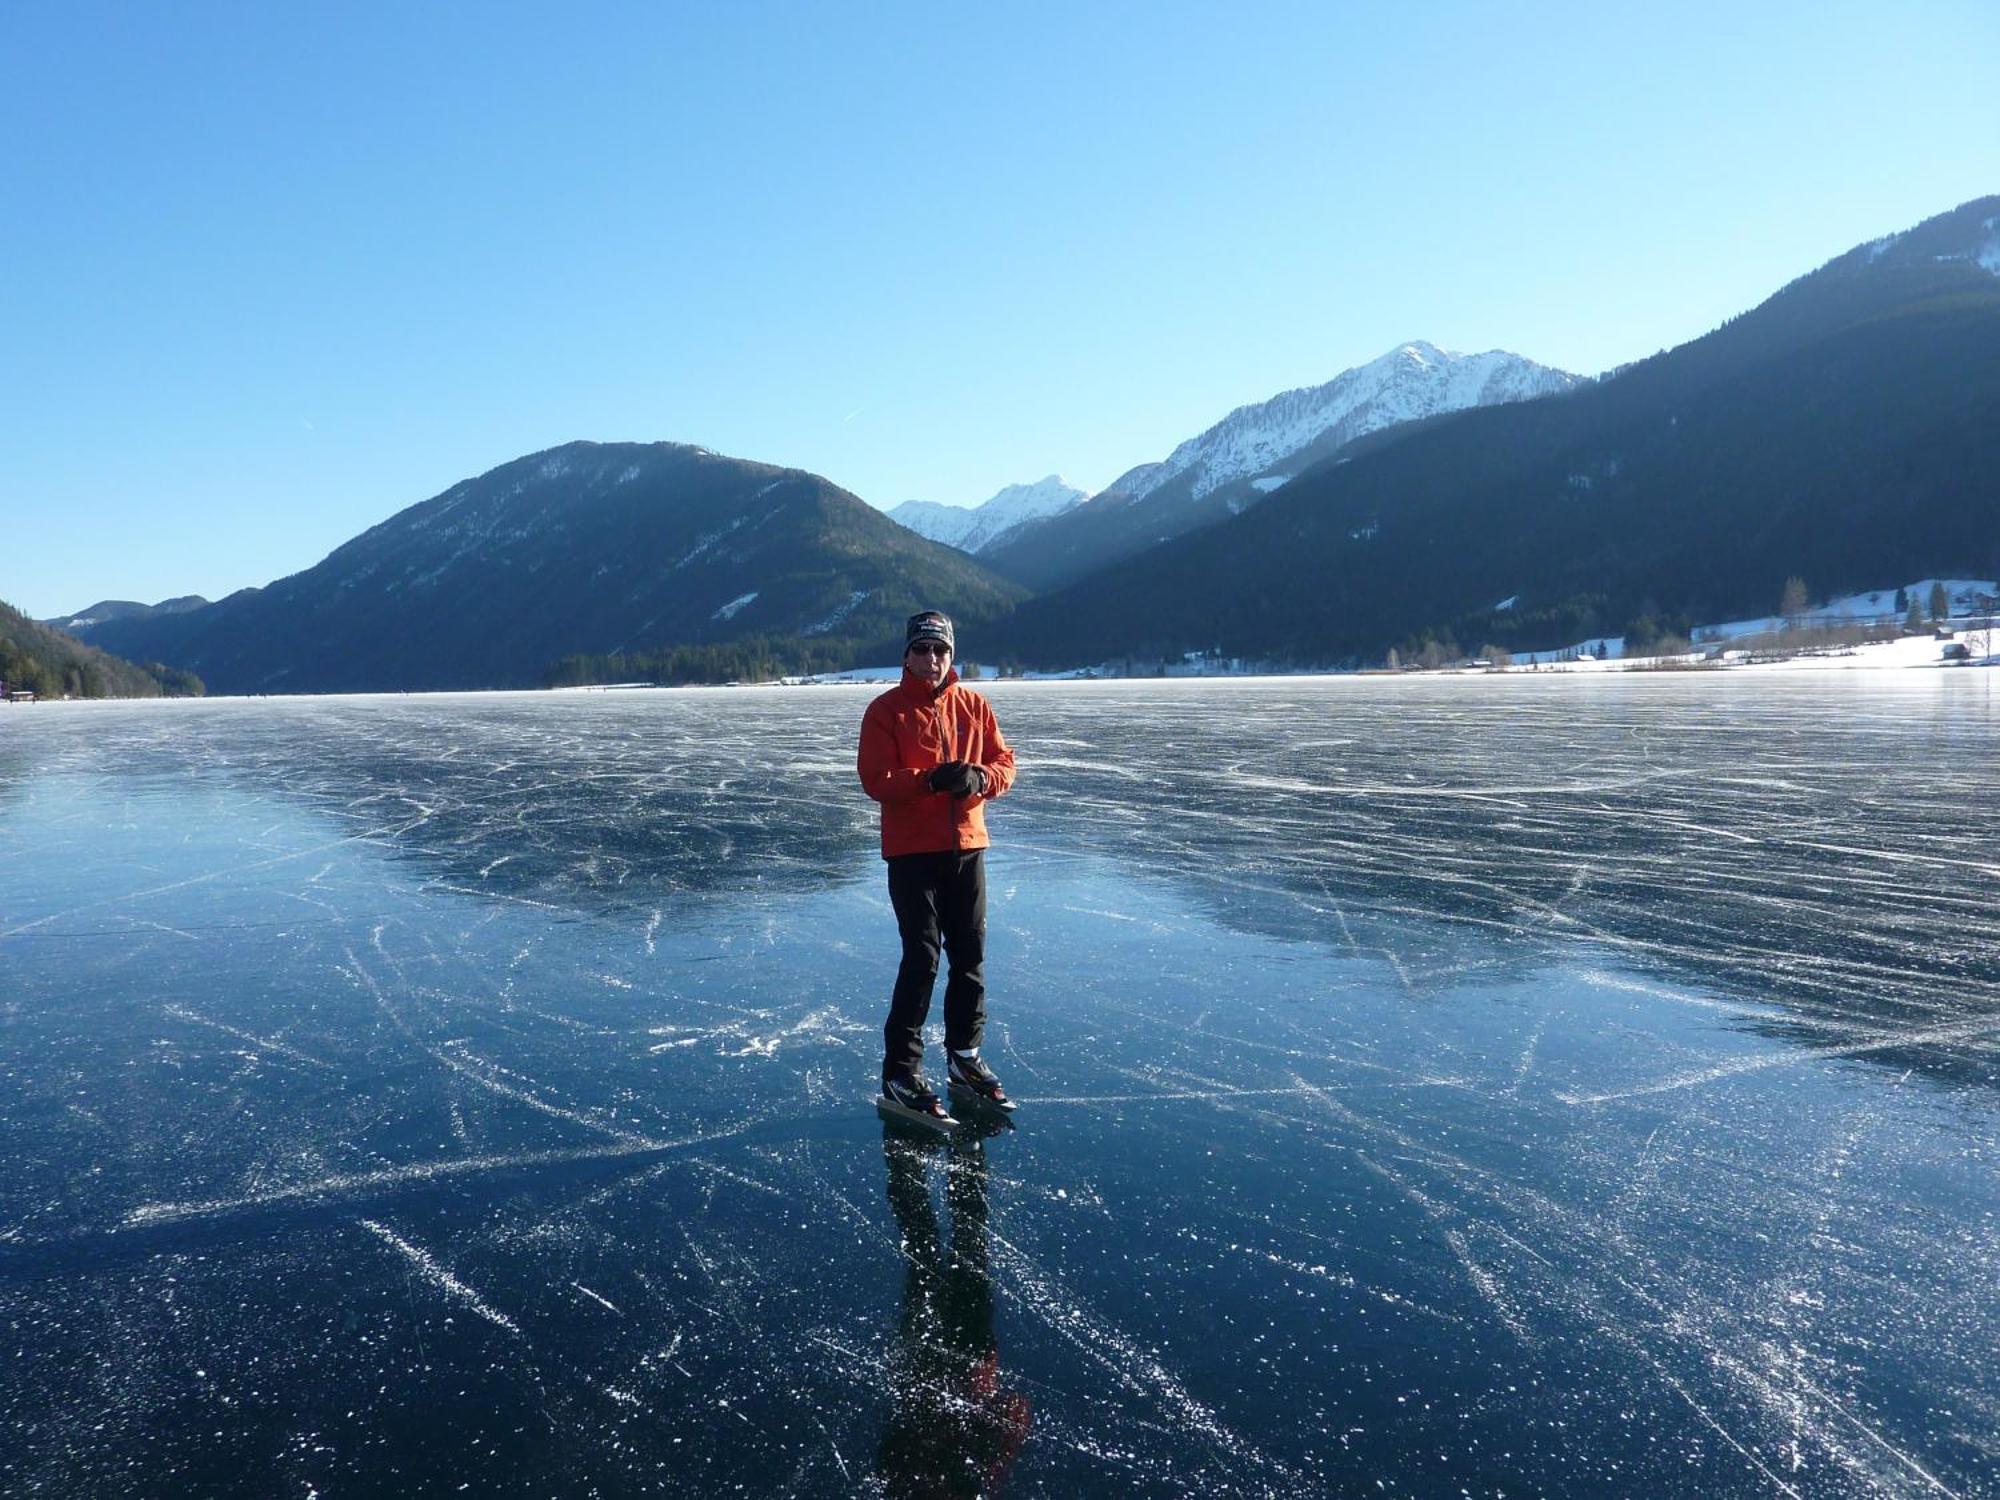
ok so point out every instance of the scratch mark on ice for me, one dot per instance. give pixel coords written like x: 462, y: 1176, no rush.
x: 147, y: 1214
x: 262, y: 1044
x: 1963, y: 1031
x: 428, y: 1267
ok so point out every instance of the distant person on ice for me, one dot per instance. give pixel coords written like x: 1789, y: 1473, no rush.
x: 932, y: 755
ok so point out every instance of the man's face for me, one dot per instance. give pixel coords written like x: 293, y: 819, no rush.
x: 928, y: 661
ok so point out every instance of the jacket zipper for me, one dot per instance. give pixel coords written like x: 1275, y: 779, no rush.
x: 949, y: 736
x: 950, y: 753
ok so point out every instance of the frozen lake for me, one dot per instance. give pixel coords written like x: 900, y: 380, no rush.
x: 1561, y: 1087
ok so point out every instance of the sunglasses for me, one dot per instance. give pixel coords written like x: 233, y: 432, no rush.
x: 930, y: 648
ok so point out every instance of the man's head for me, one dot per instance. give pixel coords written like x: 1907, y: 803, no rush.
x: 927, y: 646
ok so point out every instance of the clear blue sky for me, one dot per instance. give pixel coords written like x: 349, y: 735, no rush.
x: 271, y: 272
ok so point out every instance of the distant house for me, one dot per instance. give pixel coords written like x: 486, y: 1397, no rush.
x: 1958, y: 651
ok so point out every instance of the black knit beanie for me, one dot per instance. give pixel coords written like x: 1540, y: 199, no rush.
x: 931, y: 625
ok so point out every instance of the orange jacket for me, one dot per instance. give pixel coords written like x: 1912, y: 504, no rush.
x: 906, y: 734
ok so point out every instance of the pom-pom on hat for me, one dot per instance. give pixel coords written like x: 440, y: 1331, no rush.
x: 931, y: 625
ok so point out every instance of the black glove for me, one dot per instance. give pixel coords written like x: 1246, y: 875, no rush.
x: 957, y: 779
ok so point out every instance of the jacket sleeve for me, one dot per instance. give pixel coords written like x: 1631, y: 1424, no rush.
x: 999, y: 762
x: 883, y: 776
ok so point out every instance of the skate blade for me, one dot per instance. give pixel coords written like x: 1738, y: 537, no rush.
x: 897, y: 1114
x: 974, y: 1100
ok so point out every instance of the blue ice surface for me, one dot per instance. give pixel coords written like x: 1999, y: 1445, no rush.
x: 1525, y: 1087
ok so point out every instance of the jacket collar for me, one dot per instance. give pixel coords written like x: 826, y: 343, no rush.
x: 918, y: 691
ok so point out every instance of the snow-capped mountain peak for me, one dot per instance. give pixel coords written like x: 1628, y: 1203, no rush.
x: 1416, y: 379
x: 974, y: 528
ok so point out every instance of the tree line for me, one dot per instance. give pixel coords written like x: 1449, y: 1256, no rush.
x: 753, y: 659
x: 50, y: 664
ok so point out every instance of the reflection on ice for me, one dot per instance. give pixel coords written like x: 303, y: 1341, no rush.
x: 1527, y: 1087
x: 954, y: 1426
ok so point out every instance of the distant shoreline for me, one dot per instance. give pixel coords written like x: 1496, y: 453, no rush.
x: 1637, y: 668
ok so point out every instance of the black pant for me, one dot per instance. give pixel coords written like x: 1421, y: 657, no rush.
x: 937, y: 895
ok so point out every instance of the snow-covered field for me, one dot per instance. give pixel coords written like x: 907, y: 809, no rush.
x: 1909, y: 651
x: 1971, y: 612
x: 1718, y: 646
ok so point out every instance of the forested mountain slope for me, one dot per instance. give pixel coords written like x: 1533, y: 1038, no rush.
x: 52, y: 664
x: 1847, y: 430
x: 588, y: 548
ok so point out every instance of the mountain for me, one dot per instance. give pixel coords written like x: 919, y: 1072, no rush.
x: 1291, y: 430
x: 1844, y: 431
x: 978, y: 528
x: 1133, y: 482
x: 51, y: 663
x: 587, y: 548
x: 125, y: 609
x: 1256, y: 449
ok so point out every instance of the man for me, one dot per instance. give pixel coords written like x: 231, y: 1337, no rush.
x: 932, y: 755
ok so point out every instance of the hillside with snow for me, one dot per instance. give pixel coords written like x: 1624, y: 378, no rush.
x: 589, y: 549
x: 1841, y: 431
x: 1411, y: 382
x: 1258, y: 448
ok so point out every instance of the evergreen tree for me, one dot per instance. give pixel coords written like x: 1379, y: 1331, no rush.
x: 1940, y: 601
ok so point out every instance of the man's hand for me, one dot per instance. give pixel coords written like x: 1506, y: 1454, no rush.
x: 955, y: 778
